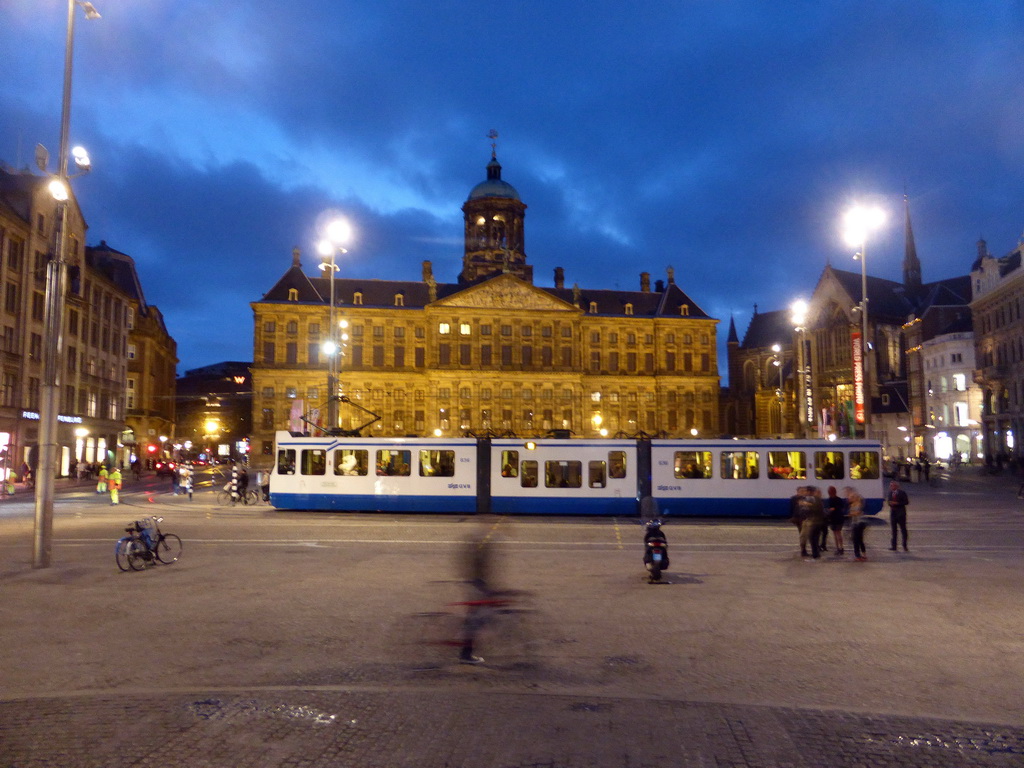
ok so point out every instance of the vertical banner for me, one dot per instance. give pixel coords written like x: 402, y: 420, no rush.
x: 295, y: 417
x: 858, y: 377
x: 808, y: 387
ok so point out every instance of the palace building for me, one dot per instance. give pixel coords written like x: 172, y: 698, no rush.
x: 492, y: 353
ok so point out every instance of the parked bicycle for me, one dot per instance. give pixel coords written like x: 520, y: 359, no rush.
x: 145, y: 545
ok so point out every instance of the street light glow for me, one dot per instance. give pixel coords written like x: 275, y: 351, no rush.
x: 59, y: 190
x: 859, y: 221
x: 339, y: 232
x: 798, y: 310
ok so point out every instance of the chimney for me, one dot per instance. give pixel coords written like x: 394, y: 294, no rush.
x: 645, y: 282
x: 559, y: 277
x: 659, y: 286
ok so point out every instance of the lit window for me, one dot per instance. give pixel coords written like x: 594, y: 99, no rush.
x: 357, y: 298
x: 464, y: 329
x: 444, y: 328
x: 593, y: 307
x: 293, y: 294
x: 399, y: 300
x: 629, y: 309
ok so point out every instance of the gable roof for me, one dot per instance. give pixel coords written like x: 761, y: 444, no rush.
x: 767, y: 328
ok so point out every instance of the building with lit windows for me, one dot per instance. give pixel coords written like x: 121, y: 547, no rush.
x: 490, y: 353
x: 93, y: 367
x: 997, y: 293
x: 760, y: 401
x: 214, y: 412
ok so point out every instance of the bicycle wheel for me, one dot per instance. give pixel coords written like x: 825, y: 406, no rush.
x: 121, y: 553
x: 252, y: 497
x: 136, y: 553
x: 168, y: 548
x: 223, y: 498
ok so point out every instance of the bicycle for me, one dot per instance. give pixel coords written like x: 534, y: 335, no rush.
x: 146, y: 544
x: 251, y: 496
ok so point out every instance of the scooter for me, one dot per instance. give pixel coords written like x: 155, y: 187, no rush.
x: 655, y: 551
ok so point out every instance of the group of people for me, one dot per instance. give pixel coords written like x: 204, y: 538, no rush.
x: 109, y: 481
x: 815, y: 516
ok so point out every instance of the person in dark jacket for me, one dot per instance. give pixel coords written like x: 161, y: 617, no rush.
x: 835, y: 514
x: 897, y: 500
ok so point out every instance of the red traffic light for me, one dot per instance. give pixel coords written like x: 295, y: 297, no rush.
x: 151, y: 448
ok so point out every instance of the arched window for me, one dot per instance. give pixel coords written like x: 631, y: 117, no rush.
x: 629, y: 309
x: 293, y: 294
x: 684, y: 310
x: 593, y: 307
x: 357, y: 298
x: 399, y: 300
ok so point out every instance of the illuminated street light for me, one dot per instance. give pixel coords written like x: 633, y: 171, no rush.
x: 803, y: 387
x: 859, y: 222
x: 337, y: 234
x: 53, y: 321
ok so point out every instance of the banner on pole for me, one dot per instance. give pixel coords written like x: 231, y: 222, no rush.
x: 858, y: 377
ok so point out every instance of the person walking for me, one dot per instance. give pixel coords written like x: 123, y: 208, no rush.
x: 114, y: 484
x: 835, y: 513
x: 855, y: 509
x: 101, y: 484
x: 796, y: 517
x: 897, y: 501
x: 185, y: 479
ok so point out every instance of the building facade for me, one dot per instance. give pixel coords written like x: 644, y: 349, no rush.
x: 997, y: 293
x: 93, y: 365
x: 760, y: 401
x: 490, y: 353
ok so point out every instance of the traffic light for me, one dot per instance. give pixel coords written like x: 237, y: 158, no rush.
x: 151, y: 448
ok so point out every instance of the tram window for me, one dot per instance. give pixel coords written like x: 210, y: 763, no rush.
x: 597, y: 475
x: 740, y: 465
x: 437, y: 463
x: 863, y: 465
x: 787, y: 465
x: 828, y: 465
x: 617, y: 464
x: 314, y: 462
x: 286, y: 461
x: 563, y: 474
x: 528, y: 478
x: 510, y: 463
x: 393, y: 463
x: 350, y: 462
x: 692, y: 464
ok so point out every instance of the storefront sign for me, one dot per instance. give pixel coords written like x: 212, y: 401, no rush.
x: 60, y: 417
x: 858, y: 377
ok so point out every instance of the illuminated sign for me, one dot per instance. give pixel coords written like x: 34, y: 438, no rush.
x: 60, y: 417
x: 239, y: 379
x: 858, y: 377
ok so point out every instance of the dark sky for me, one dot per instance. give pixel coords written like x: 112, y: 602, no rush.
x: 722, y: 138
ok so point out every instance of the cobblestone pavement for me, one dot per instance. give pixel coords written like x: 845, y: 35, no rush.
x: 395, y: 728
x: 298, y: 641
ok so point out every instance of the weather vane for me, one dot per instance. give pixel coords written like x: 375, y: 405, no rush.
x: 493, y: 136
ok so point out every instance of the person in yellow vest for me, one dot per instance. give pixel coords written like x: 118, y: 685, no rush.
x: 101, y: 486
x: 114, y: 483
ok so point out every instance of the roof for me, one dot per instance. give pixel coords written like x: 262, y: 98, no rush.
x: 888, y: 299
x: 767, y: 328
x: 493, y: 186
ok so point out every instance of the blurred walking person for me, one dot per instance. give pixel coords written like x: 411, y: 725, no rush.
x: 855, y: 510
x: 101, y: 484
x: 835, y: 514
x: 114, y: 484
x: 898, y: 501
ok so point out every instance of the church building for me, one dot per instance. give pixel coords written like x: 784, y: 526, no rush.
x: 492, y: 353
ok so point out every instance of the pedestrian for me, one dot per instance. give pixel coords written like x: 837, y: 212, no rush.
x: 83, y: 470
x: 796, y: 516
x: 479, y: 571
x: 898, y: 501
x: 73, y: 469
x: 101, y: 484
x: 263, y: 480
x: 243, y: 481
x: 136, y: 468
x: 855, y: 509
x: 814, y: 520
x: 114, y: 484
x: 185, y: 481
x: 175, y: 481
x: 835, y: 514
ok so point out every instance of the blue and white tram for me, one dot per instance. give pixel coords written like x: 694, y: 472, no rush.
x: 743, y: 478
x: 367, y: 474
x: 563, y: 477
x: 755, y: 478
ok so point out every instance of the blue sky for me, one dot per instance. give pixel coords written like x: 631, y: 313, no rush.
x: 722, y: 138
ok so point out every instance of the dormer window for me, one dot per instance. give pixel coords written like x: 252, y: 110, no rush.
x: 684, y: 310
x: 629, y: 309
x: 399, y: 300
x: 357, y: 298
x: 593, y: 307
x: 293, y: 294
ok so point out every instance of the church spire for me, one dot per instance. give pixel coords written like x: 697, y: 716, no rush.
x: 911, y: 264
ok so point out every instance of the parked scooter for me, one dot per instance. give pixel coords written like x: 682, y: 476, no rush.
x: 655, y: 551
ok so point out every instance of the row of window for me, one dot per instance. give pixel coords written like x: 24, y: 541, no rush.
x: 354, y: 462
x: 782, y: 465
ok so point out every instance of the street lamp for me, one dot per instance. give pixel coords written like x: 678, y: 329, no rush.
x: 777, y: 362
x: 805, y: 402
x: 53, y: 320
x: 337, y: 233
x: 858, y: 223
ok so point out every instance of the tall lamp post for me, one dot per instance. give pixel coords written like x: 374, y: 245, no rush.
x: 777, y: 362
x: 858, y: 223
x: 336, y: 235
x: 53, y: 320
x: 802, y: 383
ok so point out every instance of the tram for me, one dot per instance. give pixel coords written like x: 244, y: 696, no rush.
x: 552, y: 476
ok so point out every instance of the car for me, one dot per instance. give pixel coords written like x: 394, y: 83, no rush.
x: 165, y: 468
